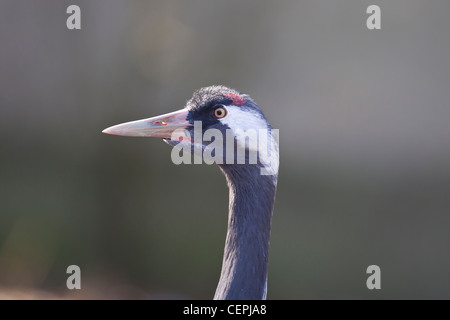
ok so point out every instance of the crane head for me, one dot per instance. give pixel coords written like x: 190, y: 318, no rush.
x: 211, y: 112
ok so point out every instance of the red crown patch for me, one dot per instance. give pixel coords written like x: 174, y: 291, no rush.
x: 237, y: 99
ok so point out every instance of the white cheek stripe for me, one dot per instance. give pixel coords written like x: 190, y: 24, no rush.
x: 239, y: 121
x: 237, y: 118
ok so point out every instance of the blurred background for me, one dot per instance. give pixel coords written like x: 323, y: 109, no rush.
x: 364, y: 138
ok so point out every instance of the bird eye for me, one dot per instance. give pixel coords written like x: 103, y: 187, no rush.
x: 220, y: 112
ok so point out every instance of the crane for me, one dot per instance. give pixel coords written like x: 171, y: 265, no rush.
x: 251, y: 190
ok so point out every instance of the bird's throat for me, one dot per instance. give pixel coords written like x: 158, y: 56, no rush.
x: 246, y: 253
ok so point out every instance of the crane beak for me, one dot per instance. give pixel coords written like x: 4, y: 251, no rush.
x: 161, y: 126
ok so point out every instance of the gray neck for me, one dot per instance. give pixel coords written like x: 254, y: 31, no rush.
x: 246, y: 254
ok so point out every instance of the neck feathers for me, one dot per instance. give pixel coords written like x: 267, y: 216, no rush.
x: 246, y: 254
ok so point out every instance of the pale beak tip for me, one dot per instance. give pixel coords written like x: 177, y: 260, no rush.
x: 107, y: 130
